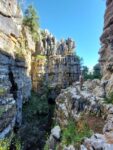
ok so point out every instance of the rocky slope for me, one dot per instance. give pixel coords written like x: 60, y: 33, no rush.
x: 81, y: 107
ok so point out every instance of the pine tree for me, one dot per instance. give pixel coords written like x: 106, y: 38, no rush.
x: 31, y: 20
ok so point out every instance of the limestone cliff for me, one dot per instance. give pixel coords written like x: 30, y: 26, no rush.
x: 25, y: 64
x: 79, y: 111
x: 106, y: 54
x: 16, y: 47
x: 54, y: 62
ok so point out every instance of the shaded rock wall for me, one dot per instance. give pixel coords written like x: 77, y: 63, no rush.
x: 16, y: 47
x: 106, y: 51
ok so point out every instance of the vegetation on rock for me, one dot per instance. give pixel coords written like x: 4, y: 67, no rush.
x: 95, y: 74
x: 10, y: 143
x: 20, y: 55
x: 31, y: 20
x: 38, y: 112
x: 37, y: 105
x: 36, y: 121
x: 74, y: 133
x: 2, y: 110
x: 109, y: 99
x: 40, y: 57
x: 2, y: 91
x: 5, y: 144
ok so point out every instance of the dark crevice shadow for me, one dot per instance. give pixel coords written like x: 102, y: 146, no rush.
x: 14, y: 87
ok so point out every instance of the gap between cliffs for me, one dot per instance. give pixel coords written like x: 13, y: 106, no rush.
x: 37, y: 120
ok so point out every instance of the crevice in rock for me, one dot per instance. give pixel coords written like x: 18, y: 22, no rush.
x: 109, y: 24
x: 37, y: 121
x: 51, y: 101
x: 14, y: 86
x: 1, y: 13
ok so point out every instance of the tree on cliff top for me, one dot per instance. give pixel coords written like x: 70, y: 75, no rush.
x: 97, y: 71
x: 31, y: 20
x: 95, y: 74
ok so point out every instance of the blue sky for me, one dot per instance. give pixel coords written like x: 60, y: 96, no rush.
x: 80, y: 19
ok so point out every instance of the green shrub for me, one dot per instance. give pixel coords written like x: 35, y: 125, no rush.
x: 74, y: 133
x: 2, y: 110
x: 32, y: 21
x: 43, y: 33
x: 109, y: 99
x: 35, y: 115
x: 19, y: 55
x: 37, y: 105
x: 2, y: 91
x: 40, y: 57
x: 46, y: 147
x: 17, y: 143
x: 95, y: 74
x: 5, y: 144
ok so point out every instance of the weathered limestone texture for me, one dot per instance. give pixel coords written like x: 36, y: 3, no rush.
x: 16, y: 47
x: 106, y: 51
x: 21, y: 59
x: 55, y: 62
x: 72, y: 103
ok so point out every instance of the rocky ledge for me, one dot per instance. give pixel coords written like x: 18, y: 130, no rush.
x: 73, y: 103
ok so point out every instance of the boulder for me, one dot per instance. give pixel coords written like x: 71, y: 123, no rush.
x: 56, y: 132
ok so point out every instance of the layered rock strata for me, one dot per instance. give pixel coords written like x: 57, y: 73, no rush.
x: 55, y: 62
x: 16, y: 47
x: 52, y: 62
x: 106, y: 51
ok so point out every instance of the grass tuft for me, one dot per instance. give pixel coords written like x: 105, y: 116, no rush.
x: 74, y: 133
x: 109, y: 99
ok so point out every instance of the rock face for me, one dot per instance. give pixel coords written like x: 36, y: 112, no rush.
x: 52, y: 62
x: 106, y: 51
x: 72, y: 103
x: 15, y: 66
x: 55, y: 62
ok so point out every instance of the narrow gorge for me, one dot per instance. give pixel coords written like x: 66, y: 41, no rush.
x: 43, y: 103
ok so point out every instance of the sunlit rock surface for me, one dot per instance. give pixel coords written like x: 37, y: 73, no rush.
x: 106, y: 51
x: 55, y: 62
x: 73, y: 102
